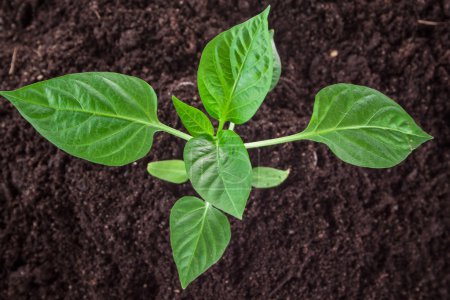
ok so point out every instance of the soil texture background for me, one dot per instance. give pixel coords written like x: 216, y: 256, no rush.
x: 74, y: 230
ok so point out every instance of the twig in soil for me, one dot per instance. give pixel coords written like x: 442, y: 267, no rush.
x: 97, y: 14
x: 185, y: 83
x: 286, y: 279
x: 428, y: 23
x: 290, y: 275
x: 291, y: 84
x: 38, y: 53
x: 12, y: 67
x: 181, y: 84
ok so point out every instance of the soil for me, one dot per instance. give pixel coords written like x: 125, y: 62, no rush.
x: 74, y: 230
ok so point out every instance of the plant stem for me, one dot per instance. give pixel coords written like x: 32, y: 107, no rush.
x: 221, y: 124
x: 231, y: 127
x: 280, y: 140
x: 174, y: 132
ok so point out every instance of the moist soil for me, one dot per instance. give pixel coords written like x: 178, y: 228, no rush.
x: 75, y: 230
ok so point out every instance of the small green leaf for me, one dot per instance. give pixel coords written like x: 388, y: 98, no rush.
x: 220, y: 170
x: 106, y: 118
x: 195, y: 121
x: 235, y: 70
x: 276, y: 63
x: 199, y: 235
x: 169, y: 170
x: 265, y: 177
x: 363, y: 127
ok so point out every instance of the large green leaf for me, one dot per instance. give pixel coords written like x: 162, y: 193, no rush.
x: 106, y: 118
x: 199, y: 235
x: 169, y: 170
x: 220, y: 170
x: 276, y: 63
x: 362, y: 126
x: 195, y: 121
x: 235, y: 70
x: 266, y: 177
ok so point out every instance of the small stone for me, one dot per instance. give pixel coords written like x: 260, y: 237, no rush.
x: 40, y: 77
x: 334, y: 53
x: 129, y: 39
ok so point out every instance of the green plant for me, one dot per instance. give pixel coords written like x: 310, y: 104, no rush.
x: 110, y: 119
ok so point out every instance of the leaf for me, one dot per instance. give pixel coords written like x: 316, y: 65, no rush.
x: 169, y: 170
x: 276, y: 63
x: 363, y: 127
x: 220, y: 171
x: 106, y: 118
x: 199, y: 235
x: 265, y: 177
x: 195, y: 121
x: 235, y: 70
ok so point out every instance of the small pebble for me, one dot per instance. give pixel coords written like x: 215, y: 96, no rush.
x: 334, y: 53
x: 40, y: 77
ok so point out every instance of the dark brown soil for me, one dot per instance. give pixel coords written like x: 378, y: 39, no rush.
x: 70, y: 229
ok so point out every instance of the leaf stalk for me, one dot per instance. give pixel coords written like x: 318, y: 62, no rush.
x: 280, y: 140
x: 175, y: 132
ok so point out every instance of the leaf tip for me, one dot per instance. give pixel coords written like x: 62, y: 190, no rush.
x: 184, y: 284
x: 266, y: 11
x: 4, y: 93
x: 185, y: 281
x: 175, y: 99
x: 424, y: 137
x: 236, y: 213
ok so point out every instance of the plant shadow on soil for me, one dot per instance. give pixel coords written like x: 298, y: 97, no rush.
x: 72, y: 229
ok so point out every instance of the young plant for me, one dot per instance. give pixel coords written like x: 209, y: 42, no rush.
x: 110, y: 119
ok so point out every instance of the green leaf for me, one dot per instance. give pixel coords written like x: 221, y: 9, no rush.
x: 265, y: 177
x: 169, y: 170
x: 195, y: 121
x: 220, y: 171
x: 363, y: 127
x: 199, y: 235
x: 106, y: 118
x: 235, y: 70
x: 276, y: 63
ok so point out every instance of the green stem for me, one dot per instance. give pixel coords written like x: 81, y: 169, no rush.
x: 280, y: 140
x: 220, y: 127
x: 175, y: 132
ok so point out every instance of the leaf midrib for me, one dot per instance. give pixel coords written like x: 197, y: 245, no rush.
x: 306, y: 134
x: 169, y: 170
x: 102, y: 114
x: 223, y: 181
x: 196, y: 122
x: 233, y: 89
x: 206, y: 208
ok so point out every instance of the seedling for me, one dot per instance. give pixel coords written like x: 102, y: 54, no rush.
x: 110, y: 119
